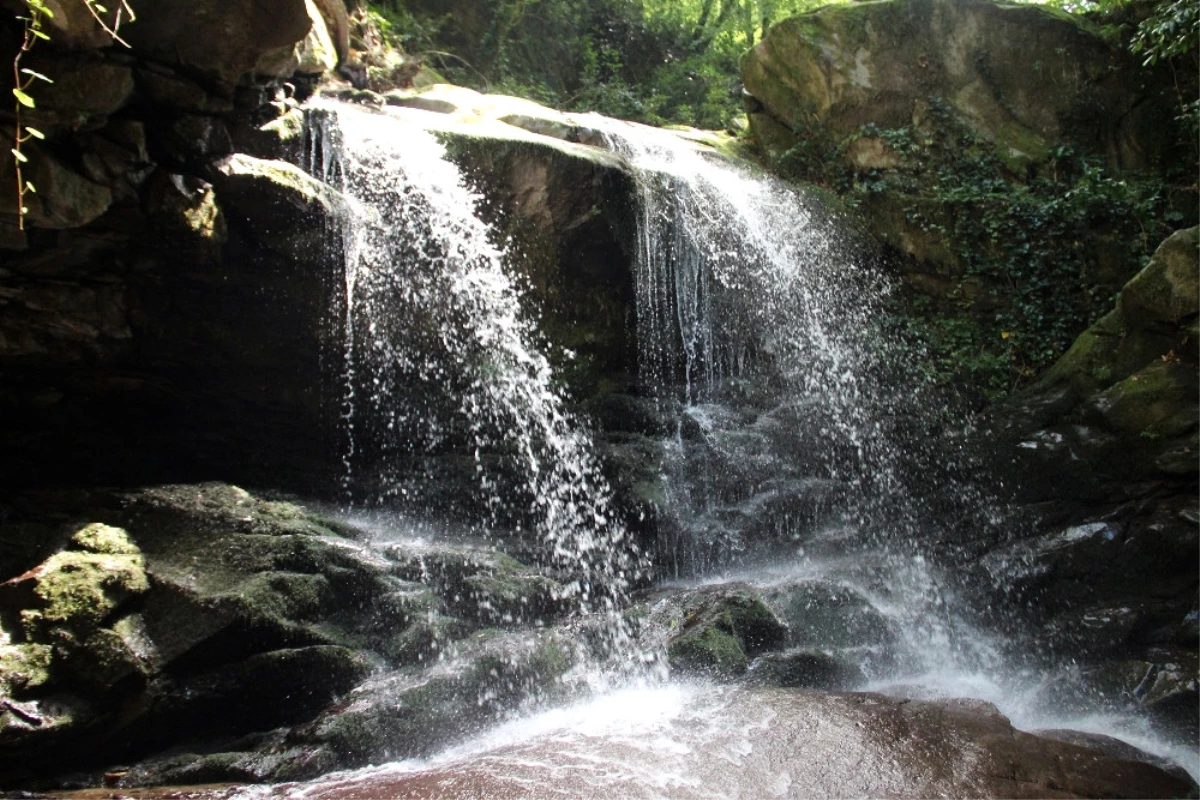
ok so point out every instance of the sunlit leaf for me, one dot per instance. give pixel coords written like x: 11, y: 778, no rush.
x: 37, y: 75
x: 19, y: 155
x: 24, y: 99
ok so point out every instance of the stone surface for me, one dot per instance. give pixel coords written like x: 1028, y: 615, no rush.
x: 847, y: 65
x: 740, y: 743
x: 224, y: 41
x: 202, y: 612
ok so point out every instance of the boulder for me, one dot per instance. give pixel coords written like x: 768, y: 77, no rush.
x: 847, y: 65
x: 226, y: 41
x: 743, y: 742
x: 714, y: 631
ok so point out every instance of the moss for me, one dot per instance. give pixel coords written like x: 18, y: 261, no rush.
x: 287, y: 595
x: 101, y: 538
x: 1159, y: 400
x: 708, y: 650
x: 78, y: 591
x: 24, y: 666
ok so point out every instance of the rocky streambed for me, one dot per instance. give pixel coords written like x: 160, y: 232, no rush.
x: 199, y: 634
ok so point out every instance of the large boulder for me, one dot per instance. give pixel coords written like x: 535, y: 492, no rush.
x: 847, y: 65
x: 223, y: 41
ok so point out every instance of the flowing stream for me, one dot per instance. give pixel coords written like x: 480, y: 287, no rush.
x: 794, y: 463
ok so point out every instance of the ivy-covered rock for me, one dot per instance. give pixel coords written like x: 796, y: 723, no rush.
x: 1016, y: 194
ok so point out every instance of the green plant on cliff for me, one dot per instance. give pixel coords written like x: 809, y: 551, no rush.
x: 33, y: 30
x: 23, y: 79
x: 1034, y: 269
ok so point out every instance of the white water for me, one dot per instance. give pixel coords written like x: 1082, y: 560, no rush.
x: 736, y: 278
x: 438, y: 354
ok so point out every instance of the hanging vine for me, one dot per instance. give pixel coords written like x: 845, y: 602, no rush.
x: 24, y: 78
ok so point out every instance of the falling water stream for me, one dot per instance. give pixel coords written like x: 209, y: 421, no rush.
x: 788, y: 461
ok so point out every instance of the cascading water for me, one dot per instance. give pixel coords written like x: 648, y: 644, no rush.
x: 789, y: 464
x: 438, y: 361
x: 753, y: 315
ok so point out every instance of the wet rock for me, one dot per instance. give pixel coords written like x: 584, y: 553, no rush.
x: 283, y: 208
x: 1115, y: 748
x: 1162, y: 685
x: 715, y: 631
x: 487, y: 586
x: 408, y: 715
x: 807, y: 669
x: 824, y: 615
x: 849, y: 745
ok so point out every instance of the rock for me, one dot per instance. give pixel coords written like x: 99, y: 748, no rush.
x: 784, y: 744
x: 319, y: 53
x: 715, y: 631
x: 228, y: 42
x: 74, y: 593
x: 1154, y: 401
x: 64, y: 198
x: 87, y: 89
x: 486, y: 586
x: 826, y: 615
x: 807, y: 669
x: 1165, y: 291
x: 404, y: 716
x: 285, y: 208
x: 847, y: 65
x: 1166, y: 688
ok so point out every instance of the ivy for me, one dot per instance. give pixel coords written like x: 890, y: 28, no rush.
x: 1027, y: 250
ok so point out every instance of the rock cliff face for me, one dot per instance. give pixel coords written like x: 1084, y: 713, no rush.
x: 1004, y: 154
x: 168, y: 311
x: 890, y: 102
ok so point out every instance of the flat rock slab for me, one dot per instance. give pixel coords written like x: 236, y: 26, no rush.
x: 701, y: 741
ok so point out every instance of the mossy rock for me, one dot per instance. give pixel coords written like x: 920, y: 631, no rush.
x: 708, y: 650
x: 24, y: 666
x: 716, y: 632
x: 848, y: 64
x: 1167, y: 290
x: 806, y: 668
x: 489, y: 587
x: 826, y: 615
x: 77, y: 592
x: 1156, y: 402
x: 407, y: 715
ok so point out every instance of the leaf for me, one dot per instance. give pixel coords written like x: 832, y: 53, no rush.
x: 29, y: 187
x: 24, y: 99
x: 34, y: 132
x: 1005, y: 334
x: 37, y: 75
x: 19, y: 155
x: 40, y: 35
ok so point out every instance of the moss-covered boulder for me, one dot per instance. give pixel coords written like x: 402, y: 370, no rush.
x: 205, y: 614
x: 715, y: 632
x: 1013, y: 160
x: 1025, y: 78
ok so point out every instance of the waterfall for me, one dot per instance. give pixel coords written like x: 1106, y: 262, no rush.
x: 439, y: 367
x: 794, y: 458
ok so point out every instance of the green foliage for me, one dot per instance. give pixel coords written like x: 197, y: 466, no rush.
x: 1039, y: 256
x: 654, y: 61
x: 1169, y: 32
